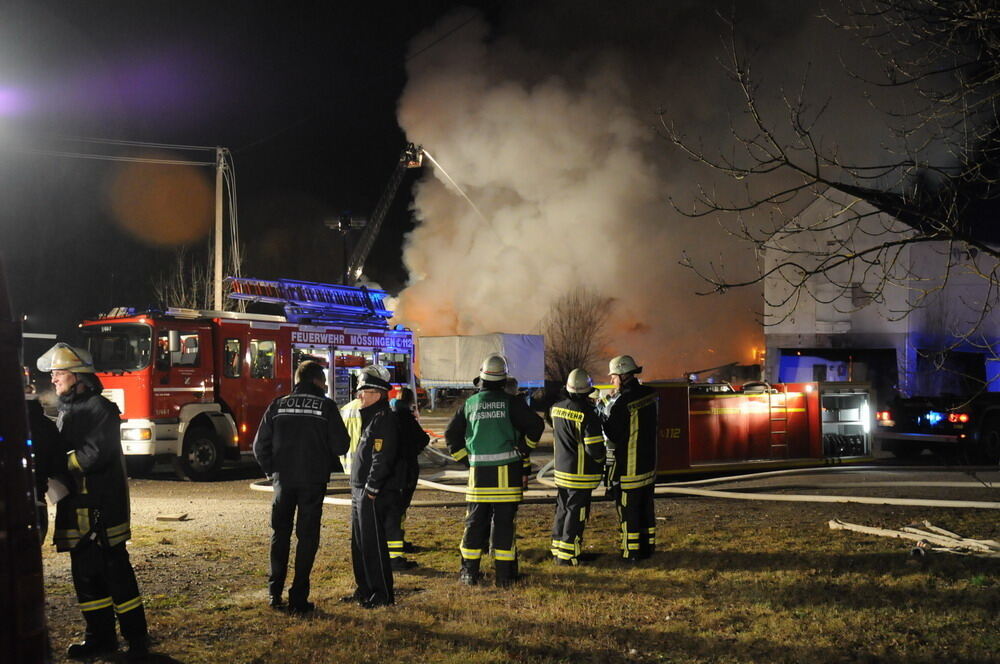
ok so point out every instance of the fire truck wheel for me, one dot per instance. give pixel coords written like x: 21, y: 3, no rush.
x: 138, y: 465
x: 202, y: 455
x: 991, y: 440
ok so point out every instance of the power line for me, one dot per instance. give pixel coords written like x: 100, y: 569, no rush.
x: 108, y: 157
x: 138, y: 144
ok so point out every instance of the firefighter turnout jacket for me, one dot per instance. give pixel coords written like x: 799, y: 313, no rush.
x: 373, y: 463
x: 579, y: 442
x: 630, y: 428
x: 301, y: 437
x: 489, y: 434
x: 99, y: 505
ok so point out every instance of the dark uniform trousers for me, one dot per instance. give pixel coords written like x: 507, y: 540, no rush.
x: 369, y: 551
x: 572, y: 510
x: 479, y: 519
x: 637, y: 515
x: 308, y: 500
x: 105, y: 587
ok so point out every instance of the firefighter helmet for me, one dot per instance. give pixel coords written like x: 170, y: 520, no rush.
x: 64, y: 357
x: 578, y: 382
x: 374, y: 376
x: 623, y: 364
x: 494, y: 368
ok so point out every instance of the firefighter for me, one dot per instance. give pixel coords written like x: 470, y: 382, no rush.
x: 372, y: 475
x: 579, y: 464
x: 412, y: 441
x: 49, y: 455
x: 297, y: 446
x: 93, y: 522
x: 630, y: 429
x: 511, y: 388
x: 486, y: 434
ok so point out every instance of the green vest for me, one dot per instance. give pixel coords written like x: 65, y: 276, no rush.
x: 490, y: 436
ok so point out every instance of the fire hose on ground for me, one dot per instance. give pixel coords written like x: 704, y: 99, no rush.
x: 689, y: 488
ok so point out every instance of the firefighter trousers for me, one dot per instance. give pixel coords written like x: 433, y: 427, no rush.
x: 369, y: 551
x: 637, y: 519
x: 395, y: 512
x: 106, y: 587
x: 308, y: 502
x: 572, y: 510
x: 482, y: 519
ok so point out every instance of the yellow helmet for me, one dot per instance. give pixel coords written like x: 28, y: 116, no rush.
x: 66, y: 358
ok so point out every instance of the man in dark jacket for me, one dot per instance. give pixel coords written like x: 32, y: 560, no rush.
x: 489, y: 434
x: 412, y: 441
x: 93, y: 522
x: 298, y: 443
x: 630, y: 429
x: 579, y: 465
x: 372, y: 477
x: 49, y: 457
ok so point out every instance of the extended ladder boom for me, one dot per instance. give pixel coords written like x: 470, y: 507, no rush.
x: 411, y: 157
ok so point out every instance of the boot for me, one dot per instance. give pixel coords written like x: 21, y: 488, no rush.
x: 469, y: 574
x: 506, y: 572
x: 98, y: 638
x: 91, y: 648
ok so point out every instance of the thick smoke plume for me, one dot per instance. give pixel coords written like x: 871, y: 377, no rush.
x: 549, y: 125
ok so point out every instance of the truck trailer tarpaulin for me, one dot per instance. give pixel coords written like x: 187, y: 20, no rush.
x: 453, y: 361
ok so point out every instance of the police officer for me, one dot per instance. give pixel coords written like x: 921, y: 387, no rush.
x: 630, y: 429
x: 93, y: 523
x: 372, y: 473
x: 579, y: 464
x: 412, y: 441
x: 298, y: 443
x: 486, y: 433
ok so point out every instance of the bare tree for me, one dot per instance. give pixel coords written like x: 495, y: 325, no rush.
x: 574, y: 332
x: 188, y: 281
x: 947, y: 54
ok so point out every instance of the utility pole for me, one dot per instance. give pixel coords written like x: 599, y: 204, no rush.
x: 220, y: 164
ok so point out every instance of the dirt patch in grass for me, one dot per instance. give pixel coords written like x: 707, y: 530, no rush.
x: 733, y: 581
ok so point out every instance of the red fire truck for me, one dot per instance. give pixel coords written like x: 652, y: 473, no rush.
x: 713, y: 427
x: 194, y: 384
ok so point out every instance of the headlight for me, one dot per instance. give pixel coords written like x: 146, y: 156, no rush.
x: 137, y: 434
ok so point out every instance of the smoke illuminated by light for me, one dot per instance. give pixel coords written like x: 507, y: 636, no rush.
x: 569, y: 182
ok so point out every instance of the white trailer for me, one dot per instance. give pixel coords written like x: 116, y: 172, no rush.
x: 454, y: 361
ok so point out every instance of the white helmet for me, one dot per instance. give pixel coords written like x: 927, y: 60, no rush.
x: 374, y: 376
x: 66, y: 358
x: 494, y: 368
x: 623, y: 364
x: 578, y: 382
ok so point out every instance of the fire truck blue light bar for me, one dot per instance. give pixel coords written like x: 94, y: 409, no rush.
x: 305, y: 301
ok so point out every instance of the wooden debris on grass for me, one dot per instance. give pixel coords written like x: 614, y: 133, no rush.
x: 172, y: 517
x: 929, y: 538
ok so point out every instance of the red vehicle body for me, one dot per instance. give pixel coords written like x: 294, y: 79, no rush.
x: 195, y: 384
x: 710, y: 425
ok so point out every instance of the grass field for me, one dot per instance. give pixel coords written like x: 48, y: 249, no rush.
x: 732, y: 582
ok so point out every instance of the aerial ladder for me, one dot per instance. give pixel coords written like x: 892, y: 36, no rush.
x: 412, y: 156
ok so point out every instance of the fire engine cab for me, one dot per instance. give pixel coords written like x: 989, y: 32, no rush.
x: 194, y: 384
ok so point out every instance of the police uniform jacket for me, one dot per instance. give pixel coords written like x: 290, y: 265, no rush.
x: 372, y: 465
x: 578, y: 442
x: 412, y: 441
x: 630, y: 428
x: 99, y: 504
x: 301, y: 437
x: 489, y: 433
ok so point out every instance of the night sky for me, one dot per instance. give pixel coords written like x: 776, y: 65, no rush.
x: 304, y: 94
